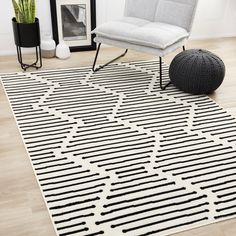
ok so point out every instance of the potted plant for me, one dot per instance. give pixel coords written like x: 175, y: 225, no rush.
x: 26, y: 29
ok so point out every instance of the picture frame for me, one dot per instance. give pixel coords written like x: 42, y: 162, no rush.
x: 73, y: 22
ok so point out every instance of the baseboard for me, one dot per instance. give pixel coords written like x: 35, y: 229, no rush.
x: 202, y: 37
x: 13, y: 52
x: 212, y: 36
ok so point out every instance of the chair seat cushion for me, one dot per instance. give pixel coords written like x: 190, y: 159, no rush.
x: 142, y: 32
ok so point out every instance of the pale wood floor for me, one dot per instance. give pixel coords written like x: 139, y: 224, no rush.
x: 22, y: 209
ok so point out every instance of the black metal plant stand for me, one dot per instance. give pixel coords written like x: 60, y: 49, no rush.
x: 35, y: 65
x: 27, y: 36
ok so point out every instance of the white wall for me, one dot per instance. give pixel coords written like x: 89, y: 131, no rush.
x: 214, y: 18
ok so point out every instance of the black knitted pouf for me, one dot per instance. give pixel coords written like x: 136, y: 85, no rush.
x: 197, y: 71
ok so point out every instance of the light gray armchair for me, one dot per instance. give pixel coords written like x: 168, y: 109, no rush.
x: 152, y: 26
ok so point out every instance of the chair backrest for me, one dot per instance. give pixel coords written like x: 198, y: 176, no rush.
x: 144, y: 9
x: 176, y: 12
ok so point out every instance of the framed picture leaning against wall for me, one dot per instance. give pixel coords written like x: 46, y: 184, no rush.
x: 73, y: 21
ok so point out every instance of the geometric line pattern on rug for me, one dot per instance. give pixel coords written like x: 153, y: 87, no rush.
x: 115, y: 155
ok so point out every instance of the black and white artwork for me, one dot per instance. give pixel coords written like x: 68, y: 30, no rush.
x: 74, y: 25
x: 73, y: 22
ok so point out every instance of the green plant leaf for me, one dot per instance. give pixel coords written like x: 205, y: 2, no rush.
x: 16, y: 9
x: 25, y: 10
x: 33, y: 9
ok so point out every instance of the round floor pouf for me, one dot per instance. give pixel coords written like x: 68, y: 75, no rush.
x: 197, y: 71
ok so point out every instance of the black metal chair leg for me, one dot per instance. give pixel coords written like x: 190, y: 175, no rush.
x: 102, y: 66
x: 160, y: 66
x: 163, y: 87
x: 96, y: 56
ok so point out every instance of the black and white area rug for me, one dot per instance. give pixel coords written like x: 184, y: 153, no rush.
x: 115, y: 155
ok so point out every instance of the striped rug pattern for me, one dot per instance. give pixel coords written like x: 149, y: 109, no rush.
x: 115, y: 155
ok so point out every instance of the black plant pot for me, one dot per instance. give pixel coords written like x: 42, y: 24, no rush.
x: 27, y: 36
